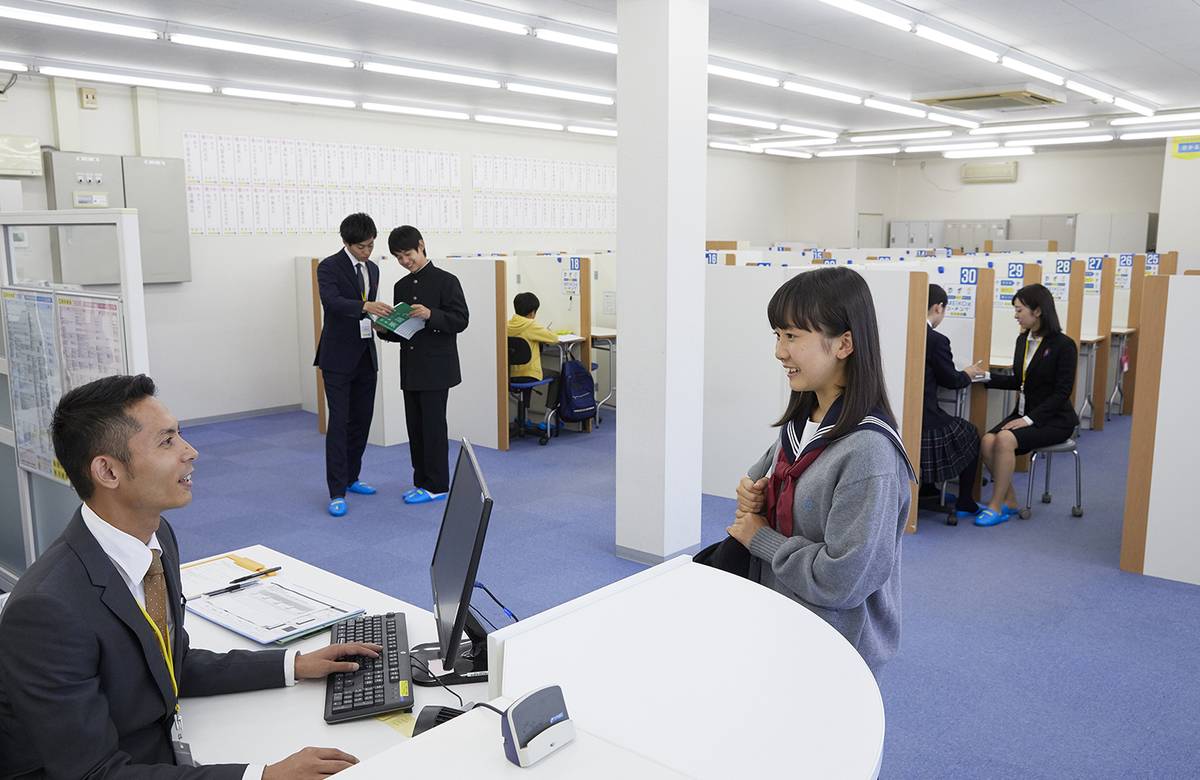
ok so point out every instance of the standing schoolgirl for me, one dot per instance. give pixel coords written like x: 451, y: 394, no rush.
x: 823, y: 511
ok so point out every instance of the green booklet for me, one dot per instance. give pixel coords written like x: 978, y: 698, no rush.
x: 400, y: 321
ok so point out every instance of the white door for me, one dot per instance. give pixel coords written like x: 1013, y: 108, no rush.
x: 870, y: 231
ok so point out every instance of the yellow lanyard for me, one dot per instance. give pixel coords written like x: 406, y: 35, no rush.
x: 1028, y: 359
x: 164, y: 645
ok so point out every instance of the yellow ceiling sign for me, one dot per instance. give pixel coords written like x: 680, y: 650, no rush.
x: 1186, y: 147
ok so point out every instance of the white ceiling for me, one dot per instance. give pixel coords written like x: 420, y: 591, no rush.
x: 1145, y: 50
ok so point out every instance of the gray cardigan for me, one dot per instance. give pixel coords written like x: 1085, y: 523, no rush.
x: 843, y: 558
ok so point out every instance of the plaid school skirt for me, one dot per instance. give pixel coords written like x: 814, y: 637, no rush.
x: 947, y: 449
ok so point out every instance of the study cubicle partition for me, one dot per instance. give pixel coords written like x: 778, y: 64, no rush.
x: 604, y: 324
x: 477, y: 408
x: 745, y: 390
x: 1157, y: 264
x: 1160, y: 535
x: 1096, y: 337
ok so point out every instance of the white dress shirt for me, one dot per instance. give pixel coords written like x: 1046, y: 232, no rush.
x: 132, y: 560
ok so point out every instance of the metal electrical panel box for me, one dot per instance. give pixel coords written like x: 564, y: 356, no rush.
x: 155, y: 187
x: 74, y: 180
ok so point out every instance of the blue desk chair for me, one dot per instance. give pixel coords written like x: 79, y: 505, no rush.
x: 521, y: 387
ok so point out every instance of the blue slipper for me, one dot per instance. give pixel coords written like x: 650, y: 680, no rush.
x: 337, y: 507
x: 362, y: 488
x: 1009, y: 511
x: 962, y: 514
x: 989, y: 517
x: 423, y: 496
x: 408, y: 493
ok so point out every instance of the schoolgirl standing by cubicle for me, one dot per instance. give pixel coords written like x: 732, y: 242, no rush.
x: 823, y: 511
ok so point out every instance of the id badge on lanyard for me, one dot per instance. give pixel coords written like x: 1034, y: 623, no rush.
x: 181, y: 749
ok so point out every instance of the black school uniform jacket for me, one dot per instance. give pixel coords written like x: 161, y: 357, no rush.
x: 939, y: 372
x: 429, y: 360
x: 1050, y: 381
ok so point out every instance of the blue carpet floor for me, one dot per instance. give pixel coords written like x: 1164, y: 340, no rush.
x: 1026, y: 652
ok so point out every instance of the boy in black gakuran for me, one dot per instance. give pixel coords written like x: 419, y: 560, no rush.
x: 428, y: 361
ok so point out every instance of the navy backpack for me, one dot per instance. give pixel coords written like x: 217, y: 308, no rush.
x: 576, y: 393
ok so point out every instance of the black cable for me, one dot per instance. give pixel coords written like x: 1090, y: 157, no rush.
x: 487, y: 706
x: 482, y: 616
x: 11, y: 80
x: 435, y: 678
x: 507, y: 611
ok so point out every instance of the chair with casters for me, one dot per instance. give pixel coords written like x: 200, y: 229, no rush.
x: 1048, y: 453
x: 522, y: 387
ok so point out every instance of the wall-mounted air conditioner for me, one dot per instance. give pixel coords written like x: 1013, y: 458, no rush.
x: 989, y: 172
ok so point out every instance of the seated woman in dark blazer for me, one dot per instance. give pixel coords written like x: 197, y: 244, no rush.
x: 1044, y: 375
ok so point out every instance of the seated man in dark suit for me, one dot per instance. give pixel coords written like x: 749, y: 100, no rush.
x: 93, y: 652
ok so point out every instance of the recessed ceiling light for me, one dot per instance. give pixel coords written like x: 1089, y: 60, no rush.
x: 77, y: 23
x: 416, y: 111
x: 261, y: 51
x: 948, y: 119
x: 866, y: 139
x: 951, y: 147
x: 1136, y: 108
x: 1076, y: 139
x: 511, y: 122
x: 121, y: 78
x: 786, y: 153
x: 585, y: 130
x: 805, y: 130
x: 1180, y: 131
x: 563, y: 94
x: 452, y: 15
x: 1031, y: 70
x: 796, y: 142
x: 1157, y: 119
x: 872, y: 13
x: 821, y: 92
x: 857, y: 152
x: 742, y: 75
x: 895, y: 109
x: 554, y: 36
x: 430, y: 75
x: 287, y: 97
x: 1091, y: 92
x: 1032, y: 127
x: 737, y: 120
x: 1019, y: 151
x: 937, y: 36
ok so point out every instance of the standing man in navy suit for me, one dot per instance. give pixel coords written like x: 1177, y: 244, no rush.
x: 348, y: 283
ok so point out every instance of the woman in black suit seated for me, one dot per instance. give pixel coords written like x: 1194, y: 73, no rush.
x: 1044, y: 376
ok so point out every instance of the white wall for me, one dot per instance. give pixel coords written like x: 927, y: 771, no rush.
x: 1071, y: 182
x: 748, y: 198
x: 822, y: 203
x: 1178, y: 228
x: 236, y: 319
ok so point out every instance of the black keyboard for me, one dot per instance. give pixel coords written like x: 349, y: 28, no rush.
x: 380, y: 685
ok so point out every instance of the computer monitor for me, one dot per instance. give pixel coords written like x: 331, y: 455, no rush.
x: 452, y: 574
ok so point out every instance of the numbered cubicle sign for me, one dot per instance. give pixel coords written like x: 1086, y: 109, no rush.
x: 968, y: 276
x: 1091, y: 277
x: 1062, y: 267
x: 574, y: 263
x: 1151, y: 263
x: 1016, y: 270
x: 1126, y: 261
x: 711, y: 257
x: 922, y: 253
x: 829, y: 261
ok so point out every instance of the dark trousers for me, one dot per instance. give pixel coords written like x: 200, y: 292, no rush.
x: 428, y: 441
x: 351, y: 400
x: 966, y: 483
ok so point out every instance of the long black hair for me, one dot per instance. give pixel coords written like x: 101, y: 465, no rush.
x: 1036, y: 296
x: 832, y: 301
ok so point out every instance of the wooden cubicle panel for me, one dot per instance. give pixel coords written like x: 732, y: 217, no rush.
x: 914, y: 381
x: 1168, y: 263
x: 716, y: 246
x: 585, y: 319
x: 1192, y: 272
x: 502, y: 355
x: 1074, y: 324
x: 730, y: 259
x: 322, y: 417
x: 1137, y: 286
x: 1108, y: 275
x: 982, y: 351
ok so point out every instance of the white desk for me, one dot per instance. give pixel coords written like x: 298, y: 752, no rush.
x: 265, y: 726
x: 1120, y: 337
x: 1087, y: 347
x: 710, y: 674
x: 608, y: 338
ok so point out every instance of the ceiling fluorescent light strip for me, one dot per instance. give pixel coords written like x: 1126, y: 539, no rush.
x: 1035, y: 127
x: 121, y: 78
x: 511, y: 122
x: 866, y: 139
x: 452, y: 15
x: 1021, y: 151
x: 742, y: 75
x: 1075, y: 139
x: 258, y: 50
x: 895, y: 109
x: 947, y: 119
x: 951, y: 147
x: 585, y: 130
x: 1158, y: 119
x: 796, y: 142
x: 1136, y: 108
x: 1032, y: 70
x: 562, y: 94
x: 937, y: 36
x: 430, y: 75
x: 737, y: 120
x: 872, y: 13
x: 1091, y: 92
x: 857, y: 152
x: 435, y: 113
x: 1141, y: 136
x: 287, y: 97
x: 77, y: 23
x: 805, y: 130
x: 787, y: 153
x: 821, y: 92
x: 15, y: 67
x: 580, y: 41
x: 733, y: 147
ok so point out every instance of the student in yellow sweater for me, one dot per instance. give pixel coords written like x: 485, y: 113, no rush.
x: 524, y: 325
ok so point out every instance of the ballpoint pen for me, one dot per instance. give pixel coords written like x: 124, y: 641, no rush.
x: 262, y: 573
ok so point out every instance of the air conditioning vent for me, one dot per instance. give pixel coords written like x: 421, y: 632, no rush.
x: 1005, y: 98
x: 989, y: 172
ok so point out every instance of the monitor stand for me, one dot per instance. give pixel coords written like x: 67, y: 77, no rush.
x: 470, y: 665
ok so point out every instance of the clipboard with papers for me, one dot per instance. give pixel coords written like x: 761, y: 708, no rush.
x: 270, y: 610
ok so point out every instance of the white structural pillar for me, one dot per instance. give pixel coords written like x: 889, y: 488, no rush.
x: 662, y: 98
